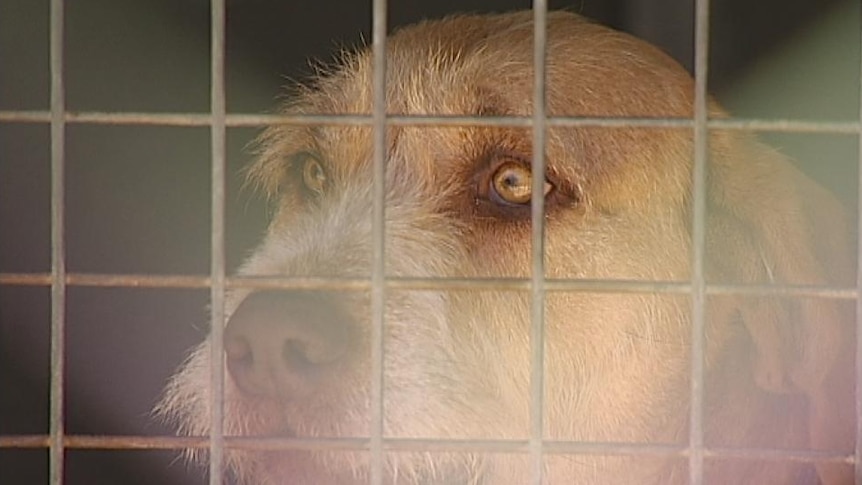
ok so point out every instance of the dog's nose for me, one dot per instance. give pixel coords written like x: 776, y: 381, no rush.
x: 282, y: 343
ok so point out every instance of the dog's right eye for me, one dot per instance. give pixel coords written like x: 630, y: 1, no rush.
x: 512, y: 184
x: 313, y: 174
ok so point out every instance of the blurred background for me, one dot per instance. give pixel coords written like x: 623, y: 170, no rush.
x: 137, y: 197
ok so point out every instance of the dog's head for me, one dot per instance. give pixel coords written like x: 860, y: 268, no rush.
x: 457, y: 204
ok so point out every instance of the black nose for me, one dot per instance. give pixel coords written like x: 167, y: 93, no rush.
x: 283, y: 343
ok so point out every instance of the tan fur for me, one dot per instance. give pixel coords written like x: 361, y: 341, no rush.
x: 617, y: 369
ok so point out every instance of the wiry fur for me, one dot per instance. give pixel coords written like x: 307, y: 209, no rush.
x: 617, y: 367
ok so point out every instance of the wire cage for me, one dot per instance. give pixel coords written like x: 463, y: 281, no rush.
x: 57, y: 441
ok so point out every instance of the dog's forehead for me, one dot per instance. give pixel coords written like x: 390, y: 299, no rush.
x: 483, y: 66
x: 475, y: 64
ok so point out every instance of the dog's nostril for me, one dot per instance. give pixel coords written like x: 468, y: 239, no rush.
x: 310, y: 352
x: 300, y: 354
x: 295, y: 354
x: 279, y: 343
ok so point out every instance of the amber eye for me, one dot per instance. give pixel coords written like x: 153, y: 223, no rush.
x: 512, y: 183
x: 313, y: 175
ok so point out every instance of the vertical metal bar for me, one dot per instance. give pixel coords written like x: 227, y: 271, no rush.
x: 537, y: 287
x: 217, y: 256
x: 698, y: 296
x: 58, y: 246
x: 378, y: 295
x: 857, y: 462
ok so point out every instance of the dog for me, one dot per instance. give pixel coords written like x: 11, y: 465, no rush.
x: 618, y: 206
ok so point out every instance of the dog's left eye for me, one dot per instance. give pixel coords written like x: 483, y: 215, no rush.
x: 313, y: 173
x: 512, y: 183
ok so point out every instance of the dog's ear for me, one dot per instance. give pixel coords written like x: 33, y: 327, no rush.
x: 770, y: 224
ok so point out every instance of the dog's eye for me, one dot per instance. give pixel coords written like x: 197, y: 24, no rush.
x: 512, y: 183
x: 313, y: 174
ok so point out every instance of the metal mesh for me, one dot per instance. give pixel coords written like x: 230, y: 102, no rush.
x: 378, y: 283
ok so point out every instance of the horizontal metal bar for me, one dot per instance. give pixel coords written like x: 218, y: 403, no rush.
x: 786, y: 125
x: 780, y: 455
x: 252, y: 120
x: 108, y: 280
x: 116, y: 442
x: 427, y: 283
x: 131, y: 442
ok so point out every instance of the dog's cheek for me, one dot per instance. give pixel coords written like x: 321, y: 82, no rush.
x: 437, y: 380
x: 598, y: 344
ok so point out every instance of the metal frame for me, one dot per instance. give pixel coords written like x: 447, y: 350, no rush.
x: 57, y: 441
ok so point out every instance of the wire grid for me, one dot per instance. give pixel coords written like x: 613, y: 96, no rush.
x: 537, y: 285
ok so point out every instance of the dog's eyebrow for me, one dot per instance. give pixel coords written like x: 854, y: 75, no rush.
x: 487, y: 108
x: 488, y: 103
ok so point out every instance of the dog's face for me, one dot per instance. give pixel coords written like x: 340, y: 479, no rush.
x: 457, y: 204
